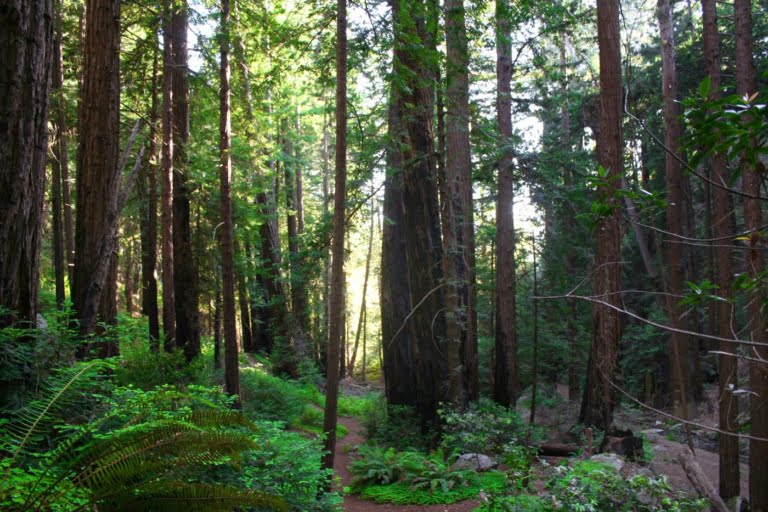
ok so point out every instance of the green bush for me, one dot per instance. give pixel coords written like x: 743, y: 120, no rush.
x: 484, y: 427
x: 270, y: 398
x: 397, y: 426
x: 402, y: 493
x: 518, y: 503
x: 594, y: 487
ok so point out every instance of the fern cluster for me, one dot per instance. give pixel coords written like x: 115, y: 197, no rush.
x: 141, y: 457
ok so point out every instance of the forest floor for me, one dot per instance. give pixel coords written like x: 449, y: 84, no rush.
x: 662, y: 438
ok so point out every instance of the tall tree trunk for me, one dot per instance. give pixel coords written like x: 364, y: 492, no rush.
x: 245, y: 313
x: 323, y: 342
x: 292, y: 186
x: 59, y: 162
x: 459, y: 218
x: 149, y: 219
x: 728, y: 447
x: 422, y: 229
x: 98, y: 175
x: 505, y: 371
x: 337, y: 245
x: 300, y: 296
x: 599, y: 395
x: 361, y: 317
x: 396, y: 336
x: 128, y: 276
x: 231, y: 369
x: 185, y: 283
x: 166, y: 184
x: 26, y: 39
x: 752, y: 178
x: 678, y: 344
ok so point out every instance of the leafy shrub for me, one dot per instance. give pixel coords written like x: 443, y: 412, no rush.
x: 270, y: 398
x: 421, y: 472
x: 593, y: 487
x: 401, y: 493
x: 283, y: 464
x: 484, y: 427
x: 517, y: 503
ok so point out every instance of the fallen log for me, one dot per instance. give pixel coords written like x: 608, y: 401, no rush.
x: 700, y: 481
x: 557, y: 450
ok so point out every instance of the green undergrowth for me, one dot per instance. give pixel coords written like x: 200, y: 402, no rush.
x: 401, y: 493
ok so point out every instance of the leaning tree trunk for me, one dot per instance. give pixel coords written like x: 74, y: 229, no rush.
x: 599, y: 394
x: 505, y: 370
x: 723, y: 227
x: 26, y: 40
x: 752, y: 177
x: 337, y: 245
x: 98, y: 176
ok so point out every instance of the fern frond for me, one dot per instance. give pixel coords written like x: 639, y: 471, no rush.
x: 40, y: 413
x: 171, y: 496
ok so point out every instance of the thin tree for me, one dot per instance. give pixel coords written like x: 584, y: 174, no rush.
x: 363, y: 312
x: 505, y: 370
x: 231, y: 369
x: 337, y: 244
x: 148, y: 221
x: 59, y: 162
x: 728, y: 447
x: 752, y: 178
x: 166, y: 184
x: 678, y: 344
x: 26, y: 36
x: 599, y: 394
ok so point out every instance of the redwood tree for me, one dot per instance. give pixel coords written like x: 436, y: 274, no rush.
x: 599, y: 394
x: 505, y: 371
x: 26, y: 55
x: 337, y: 244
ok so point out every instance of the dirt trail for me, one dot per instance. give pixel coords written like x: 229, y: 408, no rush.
x: 352, y: 503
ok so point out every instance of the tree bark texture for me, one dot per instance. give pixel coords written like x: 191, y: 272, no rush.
x: 599, y: 394
x: 26, y: 54
x: 722, y: 226
x: 414, y: 64
x: 231, y: 368
x: 678, y: 346
x: 505, y: 370
x: 166, y: 185
x: 752, y: 178
x: 59, y: 163
x: 185, y: 279
x: 337, y: 245
x: 397, y: 338
x: 98, y: 176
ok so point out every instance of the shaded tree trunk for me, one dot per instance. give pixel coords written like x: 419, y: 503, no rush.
x: 422, y: 229
x: 59, y: 162
x: 148, y: 219
x: 231, y: 369
x: 678, y: 346
x: 337, y: 245
x: 361, y: 318
x: 166, y: 185
x: 396, y: 336
x: 505, y: 370
x: 185, y: 279
x: 98, y: 175
x: 599, y: 395
x: 26, y: 39
x: 722, y: 225
x: 752, y: 178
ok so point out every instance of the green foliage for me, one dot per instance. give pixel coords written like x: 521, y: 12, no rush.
x: 593, y: 487
x: 383, y: 466
x: 283, y: 464
x: 517, y: 503
x: 395, y: 425
x: 402, y: 493
x: 484, y: 427
x: 137, y: 449
x: 271, y: 398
